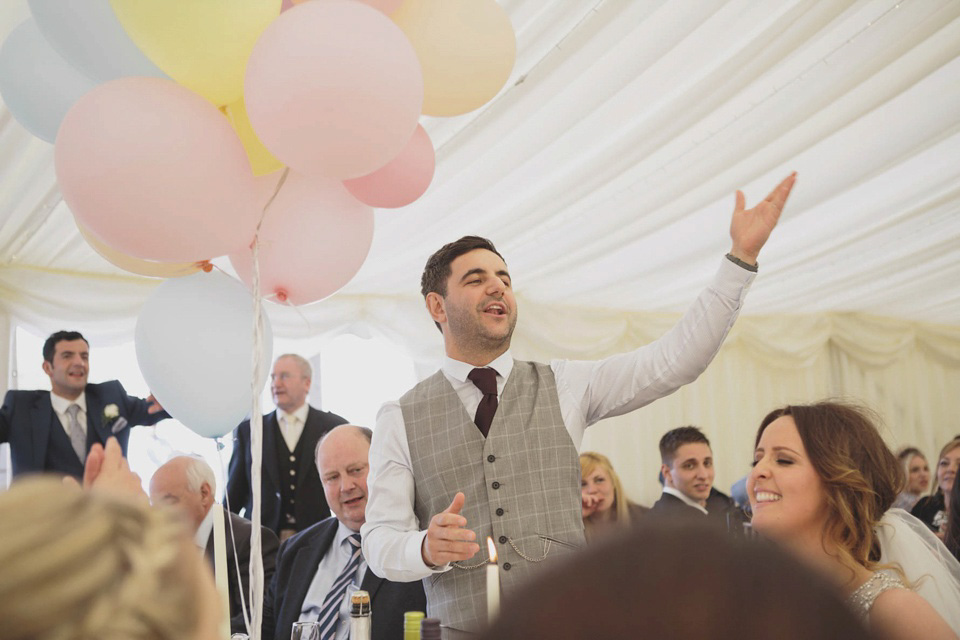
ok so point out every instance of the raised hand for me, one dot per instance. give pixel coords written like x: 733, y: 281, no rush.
x: 154, y: 406
x: 750, y: 228
x: 447, y: 539
x: 107, y: 469
x: 588, y: 504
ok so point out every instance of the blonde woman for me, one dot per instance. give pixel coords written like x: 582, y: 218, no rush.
x: 604, y: 505
x: 932, y: 509
x: 822, y: 485
x: 917, y: 472
x: 96, y: 565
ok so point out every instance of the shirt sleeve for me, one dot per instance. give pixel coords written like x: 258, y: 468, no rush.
x: 593, y: 390
x: 392, y: 536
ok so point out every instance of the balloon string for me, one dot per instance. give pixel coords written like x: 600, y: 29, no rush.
x: 256, y: 433
x: 306, y: 321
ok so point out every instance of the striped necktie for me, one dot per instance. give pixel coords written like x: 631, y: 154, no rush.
x: 330, y: 610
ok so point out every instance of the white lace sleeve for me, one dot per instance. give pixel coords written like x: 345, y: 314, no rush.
x: 931, y: 569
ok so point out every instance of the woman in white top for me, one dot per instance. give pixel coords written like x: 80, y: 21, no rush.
x: 822, y: 484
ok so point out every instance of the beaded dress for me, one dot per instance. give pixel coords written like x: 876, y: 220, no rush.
x: 862, y: 599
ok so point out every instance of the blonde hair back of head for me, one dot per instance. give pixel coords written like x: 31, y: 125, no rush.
x: 89, y: 566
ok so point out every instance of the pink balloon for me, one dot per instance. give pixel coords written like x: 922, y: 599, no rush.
x: 400, y: 181
x: 313, y: 240
x: 156, y: 172
x: 386, y: 6
x: 333, y: 88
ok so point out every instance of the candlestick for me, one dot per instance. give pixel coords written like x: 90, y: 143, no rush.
x: 493, y: 584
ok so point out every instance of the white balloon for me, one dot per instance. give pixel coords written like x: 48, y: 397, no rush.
x: 37, y: 85
x: 194, y: 341
x: 88, y: 35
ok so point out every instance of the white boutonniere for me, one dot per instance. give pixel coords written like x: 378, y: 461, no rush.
x: 110, y: 413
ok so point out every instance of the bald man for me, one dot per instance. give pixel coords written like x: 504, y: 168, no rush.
x: 187, y: 483
x: 320, y: 565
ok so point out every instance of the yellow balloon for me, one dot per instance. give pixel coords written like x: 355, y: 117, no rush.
x: 466, y: 48
x: 202, y: 44
x: 261, y: 160
x: 139, y: 266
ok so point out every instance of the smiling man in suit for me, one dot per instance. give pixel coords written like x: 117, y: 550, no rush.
x: 290, y: 485
x: 54, y: 430
x: 320, y: 566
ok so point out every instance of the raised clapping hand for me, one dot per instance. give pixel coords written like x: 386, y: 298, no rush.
x: 106, y: 469
x: 447, y: 540
x: 750, y: 228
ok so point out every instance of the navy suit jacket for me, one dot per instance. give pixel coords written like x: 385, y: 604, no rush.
x: 311, y: 505
x: 27, y: 418
x: 242, y: 530
x: 671, y: 506
x: 297, y: 565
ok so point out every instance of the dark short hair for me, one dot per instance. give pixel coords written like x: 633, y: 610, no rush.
x: 50, y: 346
x: 437, y: 269
x: 631, y: 591
x: 676, y: 438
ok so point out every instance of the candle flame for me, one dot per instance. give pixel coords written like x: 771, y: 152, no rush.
x: 492, y: 550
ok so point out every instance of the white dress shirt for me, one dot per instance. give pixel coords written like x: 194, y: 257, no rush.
x: 60, y: 406
x: 588, y: 391
x: 676, y: 493
x: 291, y: 424
x: 332, y: 563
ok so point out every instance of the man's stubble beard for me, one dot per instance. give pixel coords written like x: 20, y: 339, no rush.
x: 471, y: 333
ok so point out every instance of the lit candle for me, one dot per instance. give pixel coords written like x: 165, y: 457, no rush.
x: 493, y: 584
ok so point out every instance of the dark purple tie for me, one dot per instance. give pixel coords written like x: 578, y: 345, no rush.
x: 486, y: 381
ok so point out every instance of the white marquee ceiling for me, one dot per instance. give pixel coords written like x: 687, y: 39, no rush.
x: 605, y: 169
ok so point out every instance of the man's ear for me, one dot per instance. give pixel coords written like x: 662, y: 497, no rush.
x: 206, y: 494
x: 47, y: 368
x: 665, y: 472
x: 436, y: 307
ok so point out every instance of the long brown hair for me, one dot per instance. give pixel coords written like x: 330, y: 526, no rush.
x: 947, y: 448
x: 860, y: 475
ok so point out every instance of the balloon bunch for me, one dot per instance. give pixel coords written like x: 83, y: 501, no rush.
x: 174, y: 122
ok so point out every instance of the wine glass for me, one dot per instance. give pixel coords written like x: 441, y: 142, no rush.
x: 305, y: 631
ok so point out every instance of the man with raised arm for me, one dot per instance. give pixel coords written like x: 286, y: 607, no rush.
x: 54, y: 430
x: 488, y: 446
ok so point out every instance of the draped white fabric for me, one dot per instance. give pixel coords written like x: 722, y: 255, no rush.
x: 605, y: 172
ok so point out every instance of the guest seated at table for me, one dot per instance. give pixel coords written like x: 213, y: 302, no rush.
x: 678, y: 579
x: 96, y: 565
x: 932, y: 509
x: 605, y: 506
x: 188, y: 484
x: 822, y: 485
x: 918, y: 477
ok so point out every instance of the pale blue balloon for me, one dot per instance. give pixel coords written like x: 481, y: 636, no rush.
x: 194, y: 341
x: 37, y: 85
x: 88, y: 35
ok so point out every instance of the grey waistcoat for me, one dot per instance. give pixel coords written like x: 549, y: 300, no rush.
x: 522, y: 484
